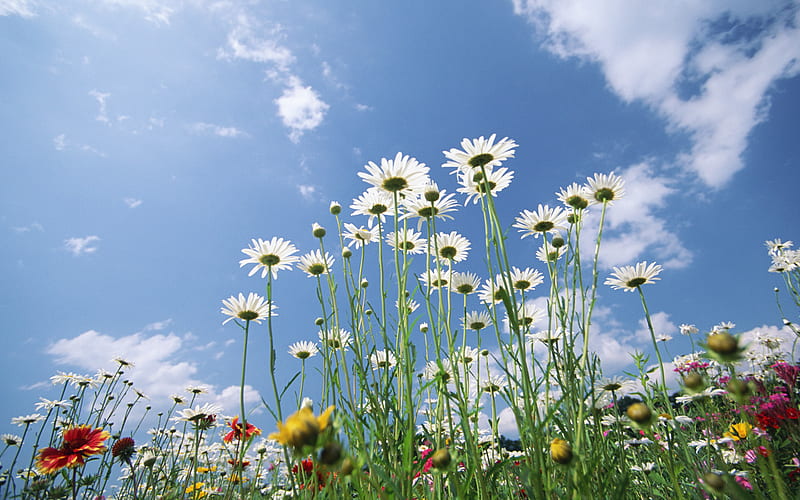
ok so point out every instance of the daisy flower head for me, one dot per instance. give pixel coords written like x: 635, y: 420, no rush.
x: 272, y: 256
x: 253, y: 308
x: 575, y: 196
x: 27, y: 419
x: 480, y: 152
x: 422, y: 208
x: 403, y: 175
x: 11, y: 439
x: 450, y: 247
x: 465, y: 283
x: 777, y: 246
x: 315, y: 264
x: 630, y: 278
x: 468, y: 354
x: 410, y: 305
x: 547, y: 253
x: 475, y: 186
x: 527, y: 315
x: 383, y: 359
x: 543, y: 220
x: 525, y: 279
x: 492, y: 292
x: 303, y: 350
x: 407, y: 240
x: 493, y: 384
x: 477, y: 320
x: 688, y: 329
x: 434, y: 280
x: 360, y: 235
x: 335, y: 339
x: 373, y: 203
x: 78, y: 444
x: 436, y: 370
x: 605, y: 188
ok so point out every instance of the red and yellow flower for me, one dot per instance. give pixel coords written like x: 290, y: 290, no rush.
x: 236, y: 431
x: 79, y: 443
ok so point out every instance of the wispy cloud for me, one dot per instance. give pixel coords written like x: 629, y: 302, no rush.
x: 101, y: 98
x: 61, y: 143
x: 306, y: 191
x: 691, y: 62
x: 34, y: 226
x: 244, y: 43
x: 210, y: 128
x: 22, y: 8
x: 81, y: 246
x: 300, y: 108
x: 132, y: 202
x: 155, y: 11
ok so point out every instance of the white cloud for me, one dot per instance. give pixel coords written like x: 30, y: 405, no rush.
x: 34, y: 226
x: 22, y: 8
x: 60, y: 142
x: 101, y: 98
x: 659, y: 52
x: 634, y: 224
x: 244, y: 44
x: 81, y: 246
x: 300, y: 108
x: 158, y: 370
x: 306, y: 191
x: 132, y: 202
x: 210, y: 128
x: 661, y: 326
x: 154, y: 10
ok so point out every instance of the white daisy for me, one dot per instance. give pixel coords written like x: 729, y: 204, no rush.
x: 419, y: 206
x: 575, y: 196
x: 492, y: 292
x: 527, y: 315
x: 549, y: 253
x: 314, y: 264
x: 630, y: 278
x: 434, y: 280
x: 606, y: 187
x: 11, y: 439
x: 468, y: 354
x: 27, y: 419
x: 403, y: 175
x: 198, y: 412
x: 360, y: 235
x: 335, y: 339
x: 493, y: 384
x: 688, y: 329
x: 272, y: 256
x: 407, y: 240
x: 473, y: 185
x: 526, y: 279
x: 303, y: 350
x: 477, y: 320
x: 434, y: 370
x: 373, y: 203
x: 383, y: 359
x: 450, y: 247
x: 253, y: 308
x: 480, y: 152
x: 543, y: 220
x: 465, y: 283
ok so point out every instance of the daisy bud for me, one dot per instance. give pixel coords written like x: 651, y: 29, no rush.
x: 560, y: 451
x: 307, y: 403
x: 148, y: 459
x: 723, y: 343
x: 319, y: 321
x: 368, y: 312
x: 441, y: 458
x: 336, y: 209
x: 640, y: 414
x: 347, y: 253
x: 431, y: 195
x: 423, y: 327
x: 572, y: 218
x: 364, y: 283
x: 317, y: 230
x: 558, y: 242
x: 485, y: 352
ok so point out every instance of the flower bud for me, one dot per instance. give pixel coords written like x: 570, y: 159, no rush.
x: 560, y: 451
x: 336, y: 209
x: 723, y: 343
x: 441, y: 458
x: 317, y: 230
x: 640, y: 414
x: 319, y: 321
x: 557, y: 242
x: 693, y: 381
x: 347, y: 253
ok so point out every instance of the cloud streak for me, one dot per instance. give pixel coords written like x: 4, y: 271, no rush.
x: 81, y: 246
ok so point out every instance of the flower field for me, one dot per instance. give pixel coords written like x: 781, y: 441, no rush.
x: 416, y: 357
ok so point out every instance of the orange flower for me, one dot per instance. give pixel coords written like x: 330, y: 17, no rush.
x: 79, y: 442
x: 236, y: 432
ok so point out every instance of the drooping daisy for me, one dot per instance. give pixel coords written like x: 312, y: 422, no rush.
x: 433, y: 370
x: 419, y: 206
x: 546, y: 337
x: 335, y: 339
x: 525, y: 279
x: 543, y: 220
x: 373, y: 203
x: 303, y: 349
x: 493, y: 384
x: 407, y: 240
x: 11, y: 439
x: 315, y: 264
x: 78, y: 444
x: 547, y: 253
x: 403, y: 175
x: 47, y: 404
x: 383, y: 359
x: 410, y: 305
x: 450, y: 247
x: 477, y: 320
x: 360, y: 236
x: 27, y: 419
x: 465, y: 283
x: 605, y: 188
x: 478, y: 153
x: 272, y: 256
x: 527, y: 315
x: 205, y: 412
x: 253, y: 308
x: 688, y: 329
x: 575, y: 196
x: 474, y: 186
x: 630, y: 278
x: 777, y: 246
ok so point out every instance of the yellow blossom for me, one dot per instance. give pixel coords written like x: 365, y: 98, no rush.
x: 302, y: 428
x: 738, y: 431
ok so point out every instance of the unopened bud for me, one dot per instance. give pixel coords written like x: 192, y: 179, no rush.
x: 336, y: 209
x: 441, y: 458
x: 317, y: 230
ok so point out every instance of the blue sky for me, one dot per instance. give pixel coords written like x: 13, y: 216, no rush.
x: 145, y: 142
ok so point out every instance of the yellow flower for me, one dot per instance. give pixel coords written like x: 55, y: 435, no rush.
x: 302, y: 428
x: 738, y: 431
x: 560, y: 451
x: 202, y: 470
x: 196, y: 490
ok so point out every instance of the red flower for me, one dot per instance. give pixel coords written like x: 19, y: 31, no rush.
x: 79, y: 443
x: 308, y: 473
x: 236, y: 432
